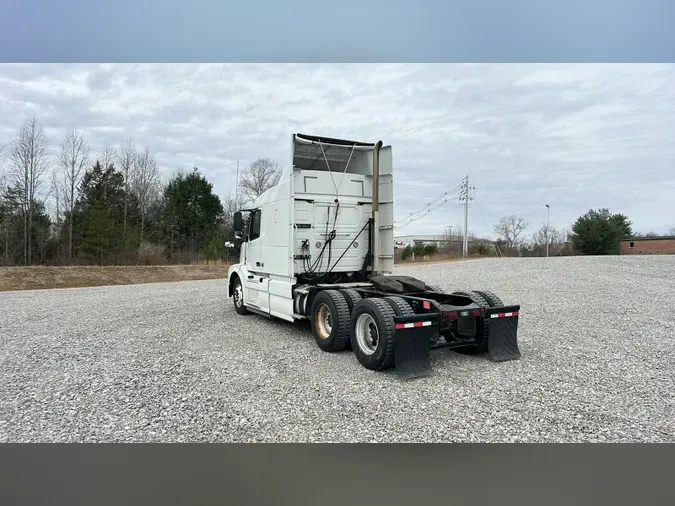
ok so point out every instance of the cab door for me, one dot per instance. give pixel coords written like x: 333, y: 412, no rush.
x: 256, y: 282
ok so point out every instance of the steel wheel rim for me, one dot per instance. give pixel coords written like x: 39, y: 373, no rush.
x: 324, y: 321
x: 367, y: 334
x: 238, y: 295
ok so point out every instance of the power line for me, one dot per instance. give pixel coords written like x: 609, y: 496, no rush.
x: 427, y: 211
x: 429, y: 207
x: 445, y: 193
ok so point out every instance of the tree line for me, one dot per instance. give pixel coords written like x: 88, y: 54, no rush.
x: 597, y: 232
x: 61, y: 205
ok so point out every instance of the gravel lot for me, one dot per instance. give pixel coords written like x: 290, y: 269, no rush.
x: 174, y: 362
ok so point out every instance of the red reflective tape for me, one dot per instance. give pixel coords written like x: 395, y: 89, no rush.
x: 504, y: 315
x: 400, y: 326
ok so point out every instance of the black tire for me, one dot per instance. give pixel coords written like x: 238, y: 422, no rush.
x: 380, y: 318
x: 490, y: 297
x: 403, y: 308
x: 400, y: 305
x: 352, y: 296
x: 330, y: 320
x: 482, y: 330
x: 238, y: 297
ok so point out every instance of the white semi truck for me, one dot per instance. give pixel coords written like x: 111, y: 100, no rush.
x: 319, y: 246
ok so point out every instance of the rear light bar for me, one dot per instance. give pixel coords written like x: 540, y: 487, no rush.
x: 456, y: 314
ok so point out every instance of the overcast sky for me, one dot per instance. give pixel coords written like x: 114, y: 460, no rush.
x: 572, y: 136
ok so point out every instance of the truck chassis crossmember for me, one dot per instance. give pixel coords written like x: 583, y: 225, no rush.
x: 320, y: 247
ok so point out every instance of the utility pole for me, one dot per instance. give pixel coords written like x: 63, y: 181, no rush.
x: 548, y: 220
x: 465, y: 196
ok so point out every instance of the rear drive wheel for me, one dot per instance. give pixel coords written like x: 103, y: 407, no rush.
x: 352, y: 296
x: 330, y: 320
x: 238, y: 297
x: 372, y: 333
x: 490, y: 297
x: 400, y: 306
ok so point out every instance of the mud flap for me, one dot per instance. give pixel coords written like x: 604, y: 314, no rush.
x: 503, y: 337
x: 412, y: 337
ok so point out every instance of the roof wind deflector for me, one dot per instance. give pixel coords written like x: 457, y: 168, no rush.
x: 329, y: 141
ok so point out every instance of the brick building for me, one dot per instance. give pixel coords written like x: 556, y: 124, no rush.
x: 647, y: 246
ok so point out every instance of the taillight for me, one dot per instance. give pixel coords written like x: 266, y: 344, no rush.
x: 453, y: 315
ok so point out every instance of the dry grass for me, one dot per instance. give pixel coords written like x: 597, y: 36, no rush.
x: 44, y: 277
x: 41, y: 277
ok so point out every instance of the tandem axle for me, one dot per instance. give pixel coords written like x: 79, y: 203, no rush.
x: 395, y: 321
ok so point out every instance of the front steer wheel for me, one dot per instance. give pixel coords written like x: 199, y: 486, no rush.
x: 238, y: 296
x: 372, y: 333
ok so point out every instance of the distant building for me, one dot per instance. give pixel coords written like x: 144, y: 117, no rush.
x: 648, y: 246
x: 412, y: 240
x: 439, y: 240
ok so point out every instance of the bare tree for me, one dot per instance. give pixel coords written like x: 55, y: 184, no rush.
x: 564, y: 235
x: 453, y: 238
x: 3, y: 174
x: 57, y: 192
x: 539, y: 238
x: 108, y: 156
x: 231, y: 205
x: 29, y: 162
x: 259, y: 177
x: 126, y: 156
x: 145, y: 183
x: 4, y: 214
x: 671, y: 232
x: 73, y: 158
x: 510, y: 228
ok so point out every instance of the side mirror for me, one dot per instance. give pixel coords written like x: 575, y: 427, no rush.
x: 238, y: 224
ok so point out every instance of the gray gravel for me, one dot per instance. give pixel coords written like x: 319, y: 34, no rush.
x: 174, y: 362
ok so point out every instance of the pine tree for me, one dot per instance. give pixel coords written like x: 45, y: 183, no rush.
x: 192, y: 212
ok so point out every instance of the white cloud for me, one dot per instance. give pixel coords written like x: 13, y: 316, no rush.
x: 572, y: 136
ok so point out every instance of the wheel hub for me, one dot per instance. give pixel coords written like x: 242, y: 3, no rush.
x: 324, y: 321
x: 367, y: 334
x: 238, y: 295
